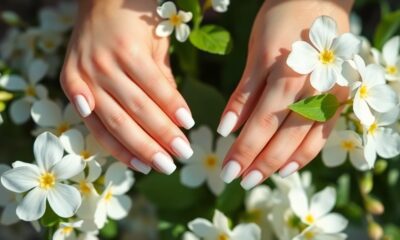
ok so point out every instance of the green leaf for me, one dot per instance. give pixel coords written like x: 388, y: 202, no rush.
x: 212, y: 39
x: 205, y: 102
x: 392, y: 231
x: 194, y: 7
x: 343, y: 190
x: 231, y: 199
x: 167, y: 193
x: 110, y: 230
x: 49, y: 219
x: 318, y: 108
x: 388, y: 27
x: 2, y: 106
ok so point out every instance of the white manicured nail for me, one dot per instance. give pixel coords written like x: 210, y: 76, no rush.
x: 184, y: 118
x: 164, y: 163
x: 82, y: 105
x: 182, y: 148
x: 289, y: 169
x: 251, y: 180
x: 230, y: 171
x: 140, y: 166
x: 227, y: 124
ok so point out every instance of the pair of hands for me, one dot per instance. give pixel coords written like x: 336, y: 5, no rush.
x: 117, y: 74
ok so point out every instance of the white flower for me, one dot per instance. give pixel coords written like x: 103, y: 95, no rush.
x: 87, y: 149
x: 380, y: 138
x: 205, y: 164
x: 325, y: 58
x: 49, y: 116
x: 220, y: 5
x: 9, y: 202
x: 390, y: 58
x: 42, y: 182
x: 281, y: 218
x: 20, y: 108
x: 66, y: 230
x: 342, y: 144
x: 175, y: 20
x: 219, y: 229
x: 355, y: 24
x: 316, y: 212
x: 8, y: 46
x: 113, y: 203
x: 49, y: 41
x: 61, y: 18
x: 372, y: 92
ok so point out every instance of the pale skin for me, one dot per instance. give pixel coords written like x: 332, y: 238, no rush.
x: 118, y: 64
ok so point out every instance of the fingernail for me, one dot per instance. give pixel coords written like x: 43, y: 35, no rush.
x: 164, y: 163
x: 289, y: 169
x: 230, y: 171
x: 140, y: 166
x: 82, y: 105
x: 185, y: 118
x: 227, y: 124
x: 251, y: 179
x: 182, y: 148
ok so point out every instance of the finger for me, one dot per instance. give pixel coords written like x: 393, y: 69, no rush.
x: 149, y: 78
x: 161, y: 58
x: 147, y: 114
x: 76, y: 89
x: 284, y: 142
x: 116, y: 149
x: 310, y: 147
x: 130, y: 134
x: 244, y: 98
x: 268, y: 115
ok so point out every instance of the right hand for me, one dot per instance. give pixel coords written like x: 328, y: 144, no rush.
x: 117, y: 75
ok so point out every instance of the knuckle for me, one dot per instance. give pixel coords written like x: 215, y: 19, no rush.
x: 267, y: 120
x: 240, y: 97
x: 245, y: 152
x: 138, y: 105
x: 116, y: 120
x: 270, y: 164
x: 101, y: 62
x: 307, y: 154
x: 292, y: 85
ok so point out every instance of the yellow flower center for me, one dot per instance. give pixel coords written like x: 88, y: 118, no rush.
x: 309, y: 219
x: 348, y: 145
x: 372, y: 128
x: 84, y: 188
x: 175, y: 20
x: 392, y: 70
x: 223, y: 236
x: 47, y: 180
x: 108, y: 196
x: 327, y: 56
x: 210, y: 161
x: 309, y: 235
x: 85, y: 154
x: 30, y: 91
x: 67, y: 230
x: 62, y: 127
x: 49, y: 44
x: 363, y: 91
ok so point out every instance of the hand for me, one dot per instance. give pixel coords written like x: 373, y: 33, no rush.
x: 272, y: 137
x: 117, y: 74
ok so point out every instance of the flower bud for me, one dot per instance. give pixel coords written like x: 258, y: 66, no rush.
x: 380, y: 166
x: 374, y: 206
x: 375, y: 231
x: 10, y: 18
x: 5, y: 96
x: 367, y: 183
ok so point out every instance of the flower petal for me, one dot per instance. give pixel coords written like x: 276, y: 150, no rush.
x: 222, y: 146
x: 94, y: 147
x: 346, y: 45
x: 32, y: 206
x: 388, y: 118
x: 46, y: 113
x: 202, y: 137
x: 13, y: 83
x: 120, y: 177
x: 387, y: 143
x: 362, y: 111
x: 374, y: 75
x: 298, y: 202
x: 164, y: 29
x: 69, y: 166
x: 258, y: 198
x: 20, y: 111
x: 322, y: 32
x: 323, y: 78
x: 192, y: 175
x: 250, y: 231
x: 185, y: 16
x: 390, y: 51
x: 221, y: 222
x: 323, y: 202
x: 370, y: 150
x: 37, y: 70
x: 332, y: 223
x: 47, y: 150
x: 119, y: 207
x: 167, y: 10
x: 94, y: 171
x: 182, y: 32
x: 215, y: 183
x: 64, y: 200
x: 9, y: 214
x: 20, y: 179
x: 203, y: 228
x: 70, y: 115
x: 72, y: 141
x: 303, y: 58
x: 333, y: 156
x: 358, y: 160
x: 382, y: 98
